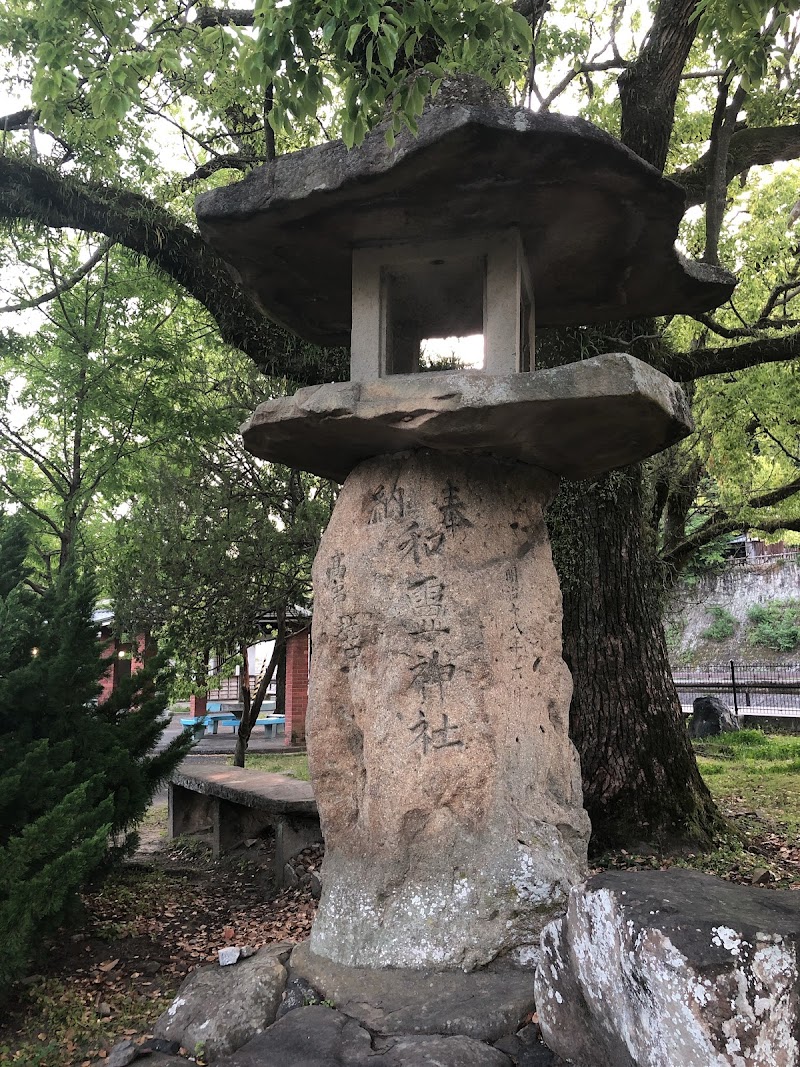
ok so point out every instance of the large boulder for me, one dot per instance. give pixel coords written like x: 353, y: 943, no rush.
x: 711, y: 716
x: 672, y: 969
x: 218, y: 1009
x: 320, y: 1037
x: 448, y: 788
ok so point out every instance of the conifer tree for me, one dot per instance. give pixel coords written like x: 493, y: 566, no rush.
x: 75, y: 775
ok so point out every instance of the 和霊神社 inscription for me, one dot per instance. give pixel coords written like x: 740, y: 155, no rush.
x: 447, y: 786
x: 450, y: 789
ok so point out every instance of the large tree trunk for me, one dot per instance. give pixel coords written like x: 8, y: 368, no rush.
x: 640, y: 778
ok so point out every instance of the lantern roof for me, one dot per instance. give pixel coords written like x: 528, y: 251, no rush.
x: 597, y: 223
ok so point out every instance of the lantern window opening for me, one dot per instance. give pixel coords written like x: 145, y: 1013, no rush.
x: 408, y: 293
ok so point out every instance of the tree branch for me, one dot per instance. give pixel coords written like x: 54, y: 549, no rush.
x: 66, y: 283
x: 234, y: 162
x: 722, y: 522
x: 224, y: 16
x: 749, y: 147
x: 41, y: 195
x: 230, y: 16
x: 648, y: 88
x: 722, y: 129
x: 41, y: 515
x: 688, y: 366
x: 18, y: 120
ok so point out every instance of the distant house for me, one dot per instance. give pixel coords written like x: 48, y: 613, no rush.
x: 125, y: 652
x: 745, y: 549
x: 297, y: 665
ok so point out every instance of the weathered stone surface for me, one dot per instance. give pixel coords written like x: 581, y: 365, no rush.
x: 711, y: 716
x: 448, y: 789
x: 141, y: 1054
x: 483, y: 1005
x: 220, y: 1008
x: 277, y: 793
x: 298, y: 994
x: 525, y: 1048
x: 160, y: 1060
x: 598, y: 224
x: 672, y: 969
x: 320, y: 1037
x: 160, y: 1045
x: 123, y: 1053
x: 578, y: 421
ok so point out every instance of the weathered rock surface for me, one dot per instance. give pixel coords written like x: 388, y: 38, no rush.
x: 525, y: 1048
x: 126, y: 1052
x: 320, y: 1037
x: 298, y: 993
x: 123, y: 1053
x: 711, y: 716
x: 578, y: 421
x: 448, y: 789
x: 598, y: 224
x: 220, y: 1008
x: 672, y: 969
x: 482, y: 1005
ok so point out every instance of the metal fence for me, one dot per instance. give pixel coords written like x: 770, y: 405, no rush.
x: 771, y: 690
x: 790, y: 556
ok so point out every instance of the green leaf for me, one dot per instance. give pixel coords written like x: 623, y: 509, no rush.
x: 329, y: 29
x: 352, y: 35
x: 386, y: 53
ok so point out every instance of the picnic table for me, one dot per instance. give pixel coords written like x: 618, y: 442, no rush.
x: 217, y: 717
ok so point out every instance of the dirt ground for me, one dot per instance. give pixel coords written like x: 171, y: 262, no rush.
x: 153, y: 921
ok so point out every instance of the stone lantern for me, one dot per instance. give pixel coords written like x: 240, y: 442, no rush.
x: 448, y: 788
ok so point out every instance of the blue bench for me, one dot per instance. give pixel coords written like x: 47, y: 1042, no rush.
x: 216, y: 719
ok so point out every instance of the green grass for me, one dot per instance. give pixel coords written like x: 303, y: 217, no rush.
x: 296, y: 765
x: 754, y: 770
x: 755, y: 780
x: 751, y: 747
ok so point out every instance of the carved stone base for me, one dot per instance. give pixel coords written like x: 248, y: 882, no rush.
x: 447, y: 786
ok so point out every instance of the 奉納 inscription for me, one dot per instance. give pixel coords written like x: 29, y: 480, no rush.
x: 387, y: 504
x: 452, y: 510
x: 419, y: 543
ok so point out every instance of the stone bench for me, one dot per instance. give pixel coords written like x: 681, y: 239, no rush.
x: 238, y: 803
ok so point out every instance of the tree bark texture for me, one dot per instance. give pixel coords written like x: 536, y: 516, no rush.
x: 640, y: 777
x: 648, y: 88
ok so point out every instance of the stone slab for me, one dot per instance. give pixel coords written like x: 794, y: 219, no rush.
x: 672, y: 969
x: 253, y: 789
x: 598, y: 224
x: 321, y: 1037
x: 484, y: 1005
x: 577, y: 421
